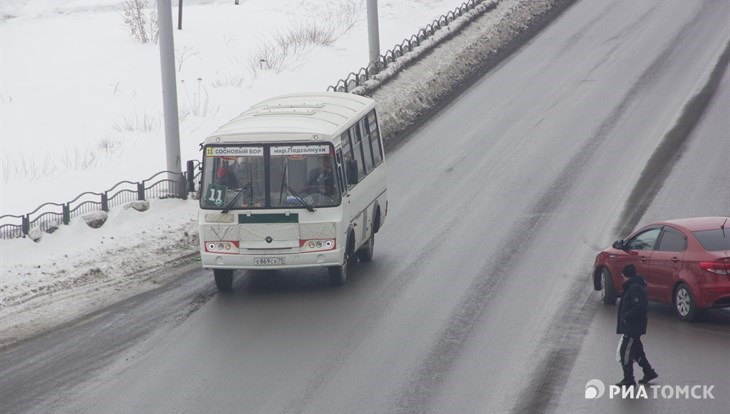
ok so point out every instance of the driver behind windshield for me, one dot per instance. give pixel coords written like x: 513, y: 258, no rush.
x: 322, y: 178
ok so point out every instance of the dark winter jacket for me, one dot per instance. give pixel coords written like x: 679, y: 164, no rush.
x: 633, y: 308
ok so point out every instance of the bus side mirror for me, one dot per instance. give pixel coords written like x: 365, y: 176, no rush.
x: 351, y: 171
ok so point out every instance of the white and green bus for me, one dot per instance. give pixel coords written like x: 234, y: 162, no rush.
x: 296, y: 181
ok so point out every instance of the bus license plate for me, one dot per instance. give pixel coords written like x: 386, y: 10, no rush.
x: 268, y: 261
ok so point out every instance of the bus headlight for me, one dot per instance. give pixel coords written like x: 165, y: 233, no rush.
x: 221, y: 247
x: 316, y: 245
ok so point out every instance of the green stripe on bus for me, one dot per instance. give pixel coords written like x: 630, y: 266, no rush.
x: 267, y: 218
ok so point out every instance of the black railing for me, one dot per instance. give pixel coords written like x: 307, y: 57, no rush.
x: 356, y: 79
x: 49, y: 216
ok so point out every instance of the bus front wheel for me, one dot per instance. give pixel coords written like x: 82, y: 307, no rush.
x: 338, y: 274
x: 223, y: 279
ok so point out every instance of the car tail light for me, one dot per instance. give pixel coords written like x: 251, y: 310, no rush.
x: 718, y: 268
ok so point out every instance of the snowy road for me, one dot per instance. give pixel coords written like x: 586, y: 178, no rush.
x: 479, y: 297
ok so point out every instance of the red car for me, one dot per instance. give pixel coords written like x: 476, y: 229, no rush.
x: 686, y: 263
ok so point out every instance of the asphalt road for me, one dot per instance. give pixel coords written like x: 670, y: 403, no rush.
x: 479, y: 297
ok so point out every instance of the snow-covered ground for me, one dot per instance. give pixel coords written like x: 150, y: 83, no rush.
x: 81, y: 109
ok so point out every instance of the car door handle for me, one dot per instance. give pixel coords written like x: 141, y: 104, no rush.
x: 675, y: 260
x: 642, y: 259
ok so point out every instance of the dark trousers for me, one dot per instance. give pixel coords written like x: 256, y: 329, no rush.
x: 631, y: 349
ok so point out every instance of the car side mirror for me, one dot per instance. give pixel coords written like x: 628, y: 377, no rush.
x: 618, y: 244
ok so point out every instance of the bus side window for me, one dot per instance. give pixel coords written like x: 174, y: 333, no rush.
x: 349, y: 163
x: 367, y: 150
x: 349, y: 159
x: 357, y: 152
x: 372, y: 123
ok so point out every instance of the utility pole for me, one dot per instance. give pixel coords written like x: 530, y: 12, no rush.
x: 179, y: 15
x: 373, y: 31
x: 169, y: 91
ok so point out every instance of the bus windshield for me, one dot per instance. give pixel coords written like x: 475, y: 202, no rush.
x: 269, y: 176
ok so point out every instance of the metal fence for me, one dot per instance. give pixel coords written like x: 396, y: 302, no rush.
x: 355, y: 79
x: 49, y: 216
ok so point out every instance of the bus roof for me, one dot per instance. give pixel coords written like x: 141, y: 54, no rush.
x: 295, y: 117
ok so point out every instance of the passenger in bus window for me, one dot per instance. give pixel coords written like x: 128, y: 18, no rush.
x: 226, y: 176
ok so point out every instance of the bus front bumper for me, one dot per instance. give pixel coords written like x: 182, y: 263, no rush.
x: 271, y: 261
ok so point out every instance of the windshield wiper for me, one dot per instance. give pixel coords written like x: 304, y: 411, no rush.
x: 298, y: 197
x: 232, y: 202
x: 291, y: 190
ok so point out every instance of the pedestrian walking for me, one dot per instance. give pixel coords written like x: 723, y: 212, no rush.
x: 633, y: 310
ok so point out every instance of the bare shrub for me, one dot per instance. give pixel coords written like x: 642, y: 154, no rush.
x: 21, y: 168
x: 142, y: 23
x: 296, y: 43
x: 28, y: 167
x: 268, y: 57
x: 289, y: 47
x: 305, y: 35
x: 108, y: 146
x: 49, y: 167
x: 197, y: 104
x: 136, y: 123
x: 10, y: 168
x: 186, y: 53
x: 228, y: 80
x: 344, y: 15
x: 80, y: 159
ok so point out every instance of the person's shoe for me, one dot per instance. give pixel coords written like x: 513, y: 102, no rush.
x: 626, y: 383
x: 648, y: 376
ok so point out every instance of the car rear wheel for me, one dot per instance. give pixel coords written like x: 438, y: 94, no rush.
x: 223, y: 279
x: 684, y: 303
x: 608, y: 290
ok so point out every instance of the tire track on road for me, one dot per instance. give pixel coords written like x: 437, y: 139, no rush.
x: 670, y: 150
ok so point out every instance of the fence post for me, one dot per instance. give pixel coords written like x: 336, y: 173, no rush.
x: 66, y: 214
x: 105, y: 201
x: 140, y: 191
x: 26, y: 225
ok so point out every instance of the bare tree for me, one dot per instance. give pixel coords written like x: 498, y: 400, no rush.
x: 143, y: 26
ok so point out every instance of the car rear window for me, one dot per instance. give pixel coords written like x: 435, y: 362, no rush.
x: 714, y: 240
